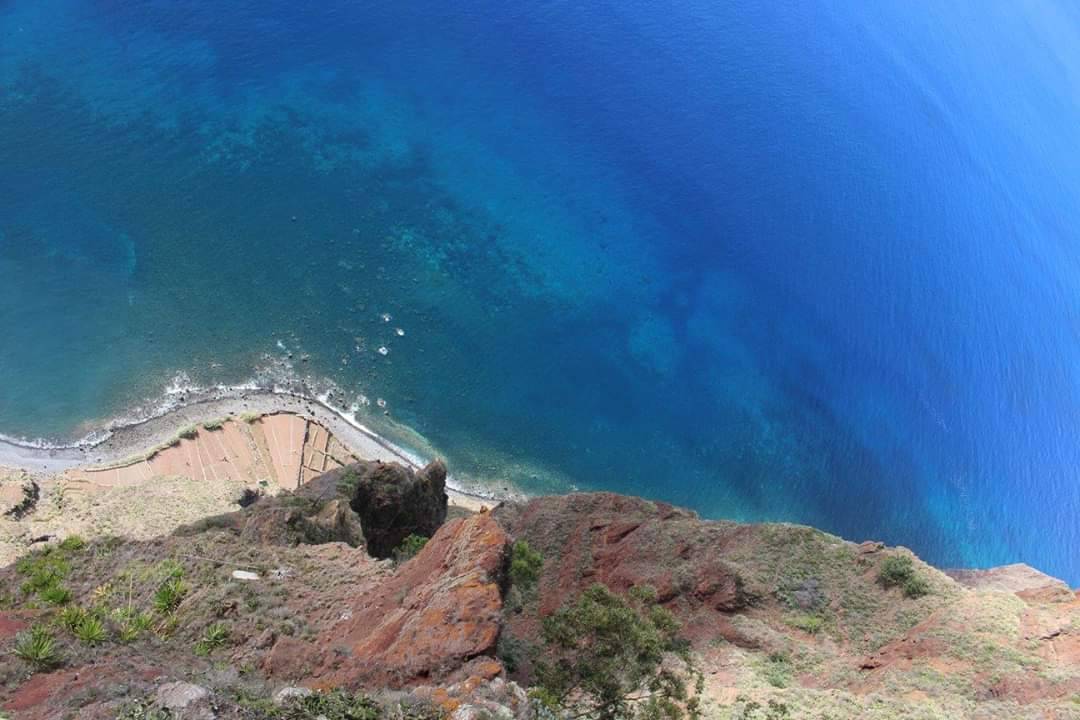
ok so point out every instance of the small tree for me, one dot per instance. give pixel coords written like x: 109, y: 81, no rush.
x: 615, y: 658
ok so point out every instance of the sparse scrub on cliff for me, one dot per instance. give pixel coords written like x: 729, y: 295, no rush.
x: 899, y: 570
x: 525, y: 566
x: 777, y: 670
x: 215, y: 637
x: 71, y: 617
x: 37, y: 647
x: 45, y: 572
x: 90, y: 630
x: 807, y: 623
x: 188, y: 433
x: 212, y: 425
x: 409, y: 548
x: 617, y: 658
x: 752, y: 710
x: 169, y: 596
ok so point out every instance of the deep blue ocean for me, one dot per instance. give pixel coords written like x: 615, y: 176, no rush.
x: 809, y: 261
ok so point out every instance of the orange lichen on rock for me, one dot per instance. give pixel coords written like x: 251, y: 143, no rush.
x: 439, y: 610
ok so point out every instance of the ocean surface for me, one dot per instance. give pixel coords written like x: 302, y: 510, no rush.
x: 806, y: 261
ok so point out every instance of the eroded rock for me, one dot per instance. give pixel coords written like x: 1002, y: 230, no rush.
x: 435, y: 613
x: 394, y: 502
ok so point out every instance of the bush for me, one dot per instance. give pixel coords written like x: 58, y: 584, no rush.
x: 604, y: 657
x: 335, y: 705
x: 215, y: 636
x: 45, y: 571
x: 807, y: 623
x: 777, y: 670
x: 525, y: 565
x: 896, y: 570
x: 131, y: 624
x: 56, y: 595
x: 90, y: 631
x: 212, y: 425
x: 38, y: 648
x: 188, y: 433
x: 169, y: 596
x: 409, y: 548
x: 899, y: 570
x: 71, y: 617
x: 72, y: 543
x: 916, y: 587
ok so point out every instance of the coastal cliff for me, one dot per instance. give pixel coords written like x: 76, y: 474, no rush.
x: 260, y: 568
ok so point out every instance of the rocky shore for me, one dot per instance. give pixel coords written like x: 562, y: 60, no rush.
x: 266, y: 566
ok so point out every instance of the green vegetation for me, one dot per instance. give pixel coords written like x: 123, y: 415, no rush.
x: 169, y: 596
x: 807, y: 623
x: 142, y: 710
x: 72, y: 617
x: 215, y: 636
x: 90, y: 630
x: 409, y: 548
x: 131, y: 624
x: 188, y: 433
x: 45, y: 570
x: 604, y: 658
x: 212, y: 425
x: 72, y: 544
x: 347, y: 484
x: 37, y: 647
x: 55, y: 595
x: 899, y: 570
x: 753, y: 710
x: 336, y: 705
x: 777, y: 670
x: 525, y: 565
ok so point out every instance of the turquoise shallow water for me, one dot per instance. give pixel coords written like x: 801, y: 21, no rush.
x: 812, y: 262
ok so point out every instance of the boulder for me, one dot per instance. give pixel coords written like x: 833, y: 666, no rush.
x: 180, y: 695
x: 394, y: 502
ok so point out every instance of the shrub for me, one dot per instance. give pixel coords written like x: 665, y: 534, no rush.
x: 215, y: 636
x: 525, y: 565
x: 900, y: 570
x: 777, y: 670
x: 56, y: 595
x: 212, y: 425
x: 188, y: 433
x: 409, y: 548
x: 38, y: 648
x: 141, y: 710
x: 169, y: 596
x: 131, y: 624
x: 896, y: 570
x: 72, y: 543
x: 334, y: 705
x: 916, y: 587
x: 71, y: 617
x: 90, y: 631
x: 604, y: 657
x: 807, y: 623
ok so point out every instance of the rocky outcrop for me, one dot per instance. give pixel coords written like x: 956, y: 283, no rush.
x: 435, y: 613
x: 1022, y: 580
x: 394, y: 502
x: 624, y: 542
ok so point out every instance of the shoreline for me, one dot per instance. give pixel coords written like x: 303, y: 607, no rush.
x: 126, y: 441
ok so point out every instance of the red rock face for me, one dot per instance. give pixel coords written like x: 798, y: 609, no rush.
x: 624, y: 542
x: 438, y: 611
x: 11, y: 624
